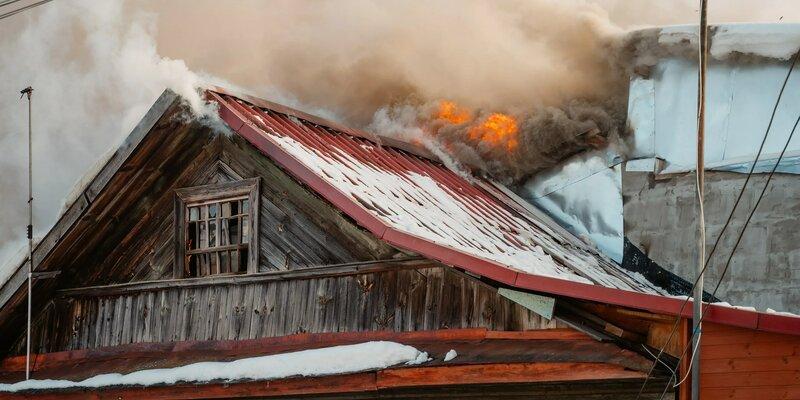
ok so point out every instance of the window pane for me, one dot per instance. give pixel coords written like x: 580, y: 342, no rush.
x: 233, y: 228
x: 194, y: 214
x: 235, y: 261
x: 243, y: 260
x: 204, y: 212
x: 191, y: 236
x: 223, y: 233
x: 203, y: 240
x: 234, y: 208
x: 212, y: 233
x: 245, y: 230
x: 214, y: 267
x: 223, y: 262
x: 191, y: 267
x: 245, y: 206
x: 226, y: 209
x: 212, y: 210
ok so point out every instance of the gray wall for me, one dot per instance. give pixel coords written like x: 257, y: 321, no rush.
x: 660, y: 218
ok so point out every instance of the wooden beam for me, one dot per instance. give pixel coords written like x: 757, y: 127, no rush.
x: 358, y: 384
x: 502, y: 373
x: 307, y: 273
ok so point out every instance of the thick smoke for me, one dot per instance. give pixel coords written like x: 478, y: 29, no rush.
x: 97, y: 66
x: 95, y: 72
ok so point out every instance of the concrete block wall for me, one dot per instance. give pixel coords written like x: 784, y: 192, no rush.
x: 660, y: 219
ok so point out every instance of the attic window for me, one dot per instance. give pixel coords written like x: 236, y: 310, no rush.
x: 214, y: 229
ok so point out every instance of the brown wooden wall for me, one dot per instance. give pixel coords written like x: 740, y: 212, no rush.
x: 738, y: 363
x: 392, y: 299
x: 297, y: 228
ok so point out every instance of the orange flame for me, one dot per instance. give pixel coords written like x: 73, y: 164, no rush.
x: 452, y: 113
x: 497, y: 129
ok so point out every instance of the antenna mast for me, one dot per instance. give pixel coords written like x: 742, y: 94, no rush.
x: 27, y: 92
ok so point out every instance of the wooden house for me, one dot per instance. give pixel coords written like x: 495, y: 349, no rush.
x: 272, y: 231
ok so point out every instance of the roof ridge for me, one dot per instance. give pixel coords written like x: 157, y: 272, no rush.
x: 376, y: 138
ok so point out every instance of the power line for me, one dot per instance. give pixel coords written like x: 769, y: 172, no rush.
x: 8, y: 2
x: 727, y: 222
x: 21, y: 9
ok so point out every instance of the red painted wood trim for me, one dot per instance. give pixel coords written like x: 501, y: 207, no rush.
x: 500, y: 273
x: 272, y: 345
x: 539, y: 334
x: 501, y: 373
x: 779, y: 323
x: 352, y: 383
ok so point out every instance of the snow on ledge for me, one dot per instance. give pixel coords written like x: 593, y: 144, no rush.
x: 325, y: 361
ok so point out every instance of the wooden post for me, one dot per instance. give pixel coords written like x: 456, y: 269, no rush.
x: 701, y: 234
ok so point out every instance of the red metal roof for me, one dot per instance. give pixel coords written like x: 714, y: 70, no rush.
x: 418, y: 204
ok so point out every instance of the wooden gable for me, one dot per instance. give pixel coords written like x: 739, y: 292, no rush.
x: 121, y: 228
x: 317, y: 270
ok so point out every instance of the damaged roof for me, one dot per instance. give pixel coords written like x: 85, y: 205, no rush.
x: 407, y: 198
x: 420, y: 205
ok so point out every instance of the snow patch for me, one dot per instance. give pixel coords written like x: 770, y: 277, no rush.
x: 316, y: 362
x: 450, y: 355
x: 422, y: 357
x: 777, y: 41
x: 783, y: 313
x: 729, y: 305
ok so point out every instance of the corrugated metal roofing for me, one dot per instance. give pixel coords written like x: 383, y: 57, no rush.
x: 396, y: 194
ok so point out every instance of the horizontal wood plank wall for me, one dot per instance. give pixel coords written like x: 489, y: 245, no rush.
x: 395, y: 300
x: 740, y: 363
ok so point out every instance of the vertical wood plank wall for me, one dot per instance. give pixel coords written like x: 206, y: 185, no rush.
x: 740, y: 363
x: 395, y: 300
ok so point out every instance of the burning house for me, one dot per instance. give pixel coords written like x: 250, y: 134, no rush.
x: 277, y: 254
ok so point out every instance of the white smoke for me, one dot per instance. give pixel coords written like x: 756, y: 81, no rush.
x: 96, y: 66
x: 95, y: 72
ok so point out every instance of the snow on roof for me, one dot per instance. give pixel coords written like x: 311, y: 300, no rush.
x: 425, y: 200
x: 775, y: 41
x: 316, y: 362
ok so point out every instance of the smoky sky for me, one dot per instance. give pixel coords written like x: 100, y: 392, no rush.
x: 96, y: 67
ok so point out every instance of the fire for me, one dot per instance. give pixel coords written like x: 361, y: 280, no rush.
x: 497, y: 129
x: 452, y: 113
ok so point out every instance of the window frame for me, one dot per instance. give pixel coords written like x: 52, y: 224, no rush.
x: 211, y: 193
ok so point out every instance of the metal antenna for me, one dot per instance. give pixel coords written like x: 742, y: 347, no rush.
x: 28, y: 91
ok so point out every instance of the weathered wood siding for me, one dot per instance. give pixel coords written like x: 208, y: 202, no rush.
x: 297, y: 228
x: 393, y: 299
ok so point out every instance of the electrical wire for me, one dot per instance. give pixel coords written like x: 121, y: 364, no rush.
x: 727, y: 223
x: 8, y: 2
x: 21, y: 9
